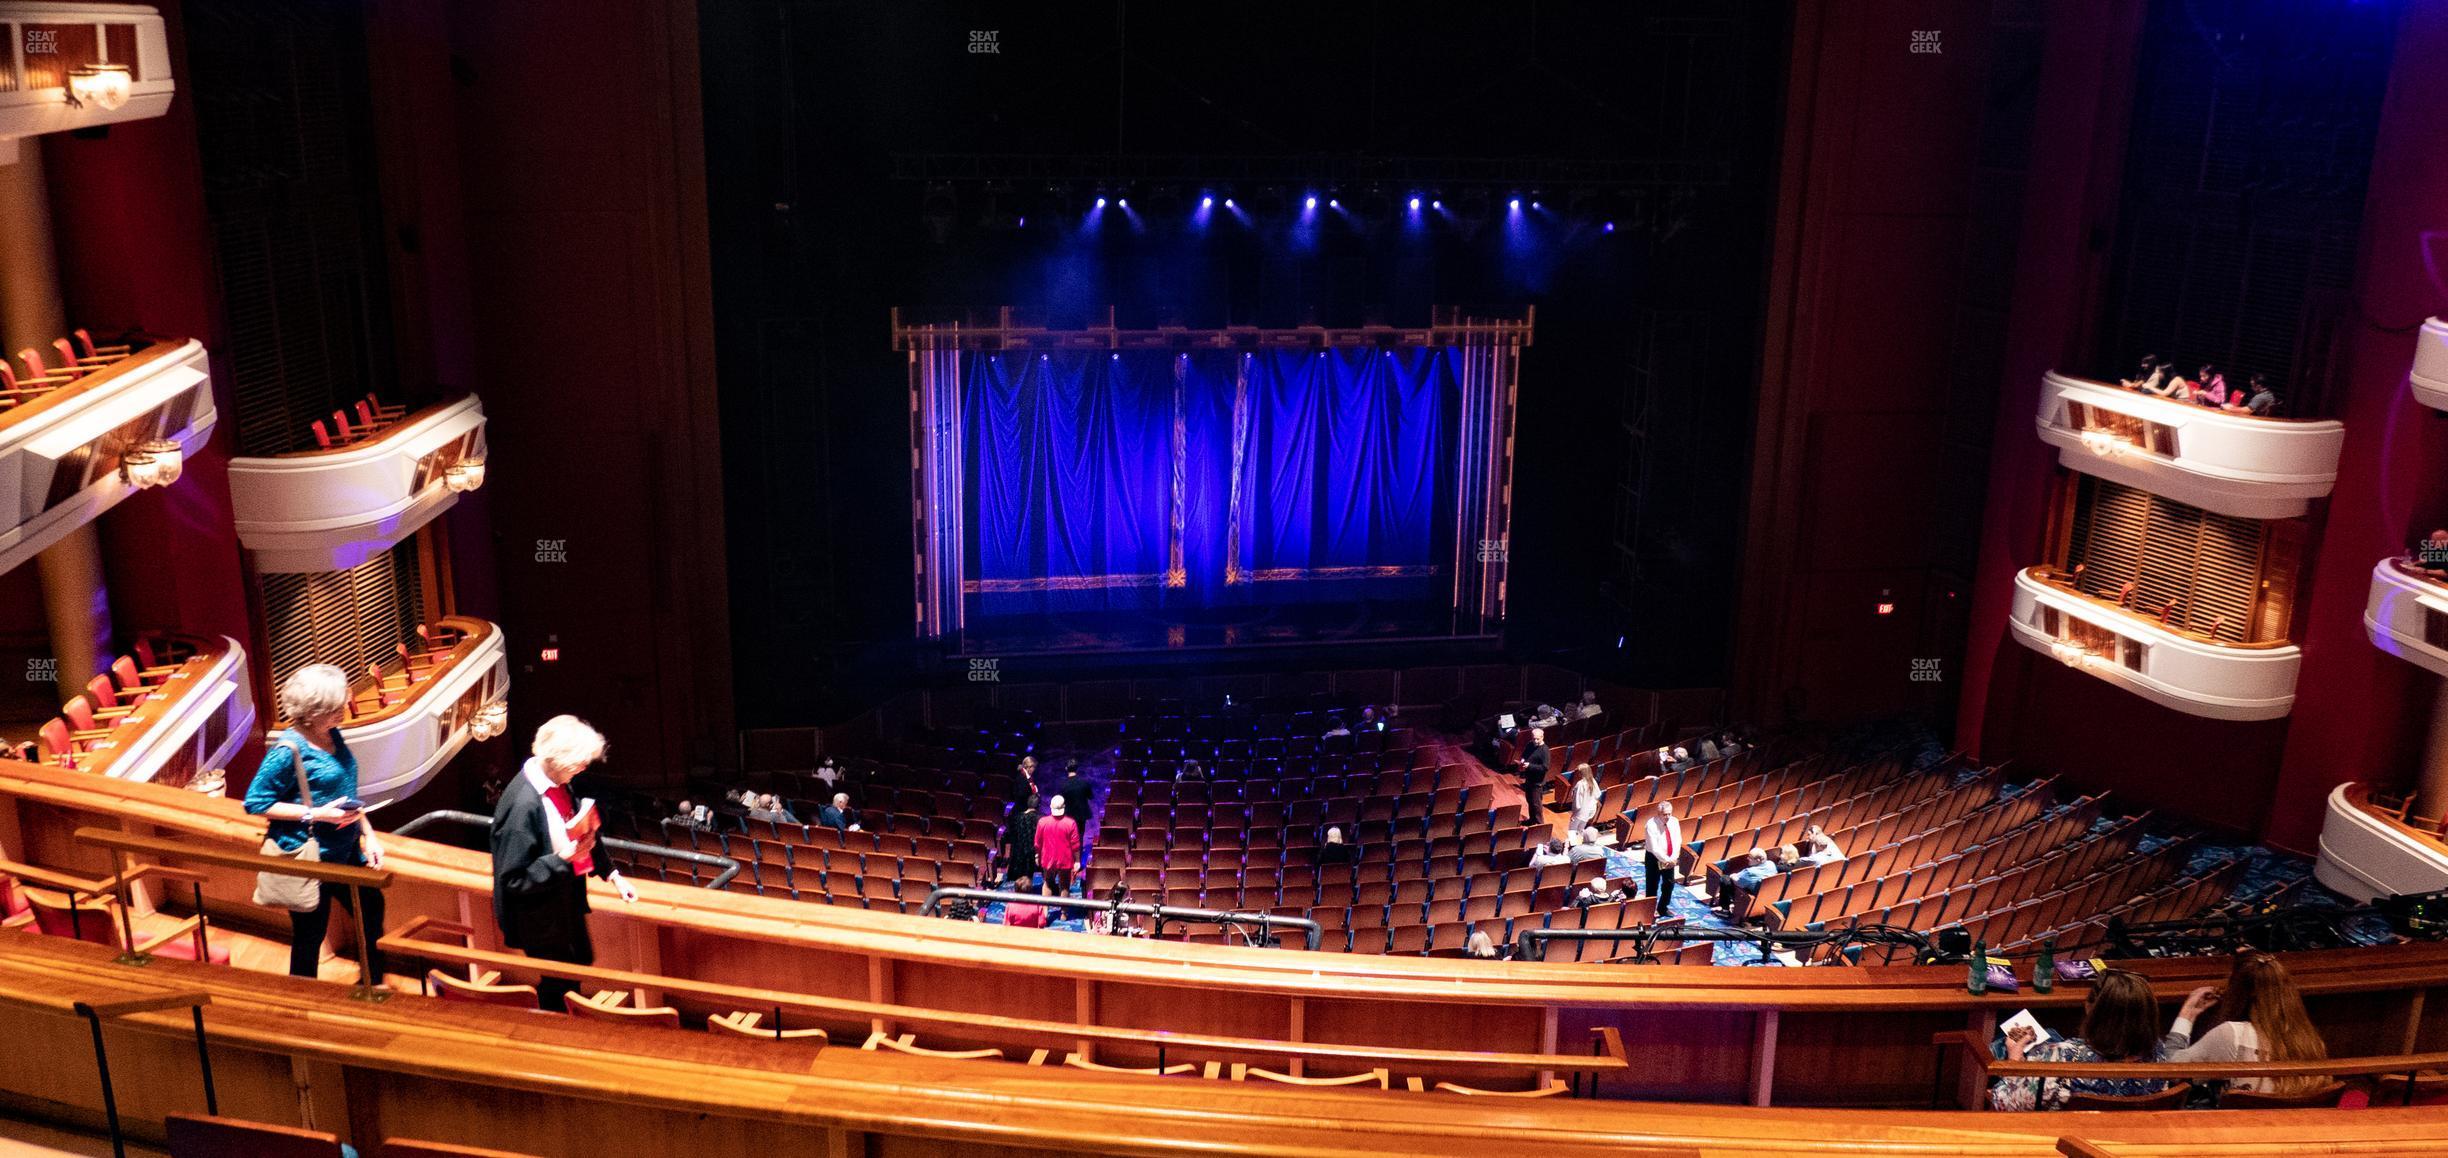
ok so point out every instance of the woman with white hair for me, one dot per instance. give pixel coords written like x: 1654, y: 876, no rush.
x: 544, y: 850
x: 315, y: 701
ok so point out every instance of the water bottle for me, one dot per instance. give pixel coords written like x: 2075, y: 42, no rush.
x: 2044, y: 974
x: 1977, y: 982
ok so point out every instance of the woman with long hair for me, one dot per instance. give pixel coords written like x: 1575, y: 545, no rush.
x: 2265, y: 1021
x: 2120, y: 1020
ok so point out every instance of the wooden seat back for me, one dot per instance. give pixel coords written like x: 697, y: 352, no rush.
x: 2170, y: 1098
x: 204, y: 1136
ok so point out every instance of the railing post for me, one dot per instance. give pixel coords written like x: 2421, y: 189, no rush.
x: 110, y: 1098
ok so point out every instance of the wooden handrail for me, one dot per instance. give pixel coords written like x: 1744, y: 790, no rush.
x: 139, y: 844
x: 2077, y: 1148
x: 1992, y: 1066
x: 405, y: 943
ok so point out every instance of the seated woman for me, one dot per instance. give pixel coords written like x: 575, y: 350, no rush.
x: 2265, y: 1022
x: 2120, y: 1024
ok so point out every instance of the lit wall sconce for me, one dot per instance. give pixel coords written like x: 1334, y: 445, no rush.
x: 464, y: 475
x: 491, y: 720
x: 2102, y: 443
x: 155, y: 462
x: 103, y: 85
x: 2069, y: 654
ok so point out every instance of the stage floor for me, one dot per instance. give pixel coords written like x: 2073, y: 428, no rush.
x: 1204, y: 629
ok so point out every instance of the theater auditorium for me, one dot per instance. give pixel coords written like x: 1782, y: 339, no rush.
x: 627, y: 578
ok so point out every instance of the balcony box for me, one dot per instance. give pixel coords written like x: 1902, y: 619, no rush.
x: 54, y: 40
x: 60, y: 451
x: 2366, y: 853
x: 2221, y: 681
x: 330, y: 510
x: 2430, y: 374
x: 2407, y: 615
x: 202, y: 716
x: 2235, y: 464
x: 400, y: 746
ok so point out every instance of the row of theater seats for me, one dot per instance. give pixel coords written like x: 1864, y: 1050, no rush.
x: 76, y: 360
x: 38, y: 901
x: 385, y: 689
x: 88, y: 720
x: 373, y: 418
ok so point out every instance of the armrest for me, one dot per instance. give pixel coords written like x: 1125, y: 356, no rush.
x: 184, y: 928
x: 1609, y: 1041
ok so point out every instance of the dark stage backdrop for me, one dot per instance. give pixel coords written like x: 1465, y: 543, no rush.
x: 1112, y: 481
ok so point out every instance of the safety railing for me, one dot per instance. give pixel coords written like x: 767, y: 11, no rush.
x: 725, y: 867
x: 1266, y: 923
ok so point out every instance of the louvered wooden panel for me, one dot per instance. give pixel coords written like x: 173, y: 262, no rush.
x: 2208, y: 566
x: 351, y: 618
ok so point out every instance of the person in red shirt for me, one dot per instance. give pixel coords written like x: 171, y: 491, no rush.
x: 1058, y: 848
x: 1023, y: 916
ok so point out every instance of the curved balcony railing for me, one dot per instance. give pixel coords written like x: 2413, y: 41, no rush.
x: 332, y: 509
x: 199, y: 712
x: 2184, y: 670
x: 2370, y: 847
x: 408, y: 727
x: 66, y: 452
x: 2407, y: 614
x: 80, y: 66
x: 2430, y: 374
x: 2236, y: 464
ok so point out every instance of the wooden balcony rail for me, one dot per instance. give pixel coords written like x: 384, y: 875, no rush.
x: 409, y: 942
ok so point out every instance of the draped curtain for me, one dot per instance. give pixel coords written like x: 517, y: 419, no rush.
x: 1216, y: 478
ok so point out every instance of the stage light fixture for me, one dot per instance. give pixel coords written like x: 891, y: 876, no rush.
x: 1415, y: 205
x: 1331, y: 203
x: 1209, y: 203
x: 1514, y: 205
x: 1100, y: 203
x: 1310, y: 204
x: 1439, y: 206
x: 1123, y: 203
x: 1609, y: 227
x: 1228, y: 203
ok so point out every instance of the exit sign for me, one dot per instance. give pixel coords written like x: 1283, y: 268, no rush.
x: 550, y: 655
x: 1886, y: 608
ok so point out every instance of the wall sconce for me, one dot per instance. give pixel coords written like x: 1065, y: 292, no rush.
x: 2068, y: 653
x: 155, y: 462
x: 2102, y: 443
x: 491, y: 720
x: 464, y: 475
x: 103, y: 85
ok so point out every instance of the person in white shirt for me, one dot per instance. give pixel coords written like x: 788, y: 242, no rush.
x: 1662, y: 841
x: 1550, y: 853
x: 1820, y: 848
x: 2265, y: 1021
x: 1588, y: 706
x: 1586, y: 846
x: 1585, y: 796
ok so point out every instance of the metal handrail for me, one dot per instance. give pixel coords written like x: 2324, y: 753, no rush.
x: 1530, y: 944
x: 726, y: 867
x: 1266, y: 922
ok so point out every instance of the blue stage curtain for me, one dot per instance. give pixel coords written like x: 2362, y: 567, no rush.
x: 1070, y: 467
x: 1207, y: 479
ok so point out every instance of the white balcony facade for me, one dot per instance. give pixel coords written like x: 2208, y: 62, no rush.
x: 2407, y: 616
x: 2430, y: 375
x: 2364, y: 854
x: 60, y: 452
x: 2175, y: 670
x: 2235, y: 464
x: 203, y: 714
x: 79, y: 66
x: 399, y: 748
x: 330, y: 510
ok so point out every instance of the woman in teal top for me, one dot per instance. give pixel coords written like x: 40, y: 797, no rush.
x: 316, y: 699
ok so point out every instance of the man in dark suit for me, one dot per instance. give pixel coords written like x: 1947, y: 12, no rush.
x: 1534, y: 771
x: 544, y: 850
x: 1079, y: 795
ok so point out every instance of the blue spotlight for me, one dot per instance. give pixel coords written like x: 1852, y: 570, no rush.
x: 1331, y: 204
x: 1209, y: 203
x: 1310, y: 204
x: 1439, y: 206
x: 1609, y: 227
x: 1514, y: 205
x: 1100, y: 203
x: 1228, y: 203
x: 1533, y: 205
x: 1124, y: 203
x: 1415, y: 205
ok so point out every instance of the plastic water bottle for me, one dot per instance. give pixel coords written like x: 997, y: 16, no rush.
x: 1977, y: 982
x: 2044, y: 974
